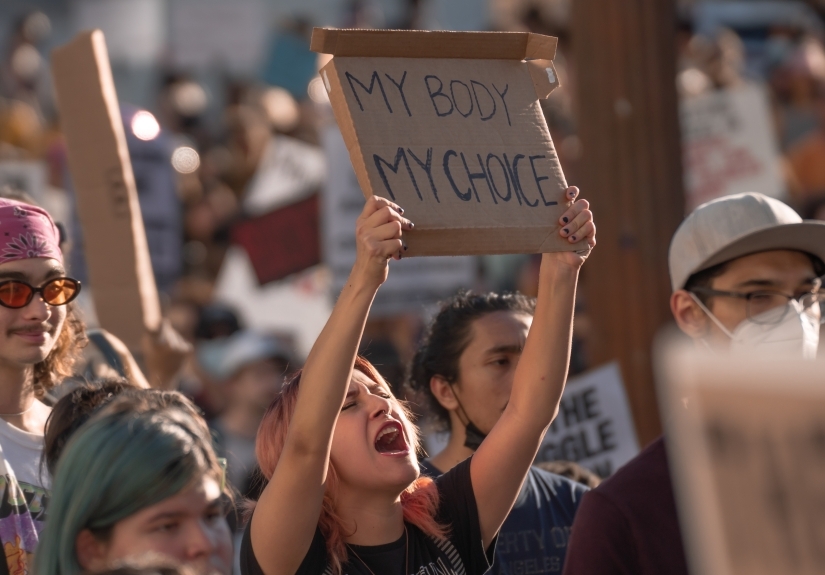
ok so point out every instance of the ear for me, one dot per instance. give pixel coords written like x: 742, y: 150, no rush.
x: 443, y: 392
x: 690, y: 318
x: 91, y: 552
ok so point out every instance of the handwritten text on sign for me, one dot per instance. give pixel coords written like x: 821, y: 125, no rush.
x: 454, y: 133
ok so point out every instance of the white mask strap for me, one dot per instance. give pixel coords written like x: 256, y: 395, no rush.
x: 710, y: 315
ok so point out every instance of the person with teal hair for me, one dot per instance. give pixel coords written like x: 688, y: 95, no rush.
x: 132, y: 484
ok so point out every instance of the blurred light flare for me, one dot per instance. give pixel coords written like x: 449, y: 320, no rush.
x: 144, y: 126
x: 185, y: 160
x: 317, y: 92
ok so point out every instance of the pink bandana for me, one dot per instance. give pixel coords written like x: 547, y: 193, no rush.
x: 27, y: 232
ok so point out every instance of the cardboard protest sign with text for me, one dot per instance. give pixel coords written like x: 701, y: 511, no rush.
x: 125, y: 295
x: 448, y: 125
x: 746, y: 445
x: 594, y: 426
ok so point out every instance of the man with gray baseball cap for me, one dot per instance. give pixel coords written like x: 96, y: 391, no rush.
x: 745, y: 271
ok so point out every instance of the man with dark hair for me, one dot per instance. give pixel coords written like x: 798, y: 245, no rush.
x: 464, y: 369
x: 745, y: 271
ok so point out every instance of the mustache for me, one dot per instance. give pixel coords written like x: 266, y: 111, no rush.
x: 31, y: 329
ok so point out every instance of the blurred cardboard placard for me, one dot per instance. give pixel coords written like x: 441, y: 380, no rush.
x: 729, y: 145
x: 449, y: 126
x: 117, y: 254
x: 746, y: 443
x: 594, y: 426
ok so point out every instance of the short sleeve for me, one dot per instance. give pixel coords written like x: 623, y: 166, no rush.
x: 458, y: 510
x: 601, y: 541
x: 315, y: 561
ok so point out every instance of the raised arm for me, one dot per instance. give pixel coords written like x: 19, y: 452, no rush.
x: 287, y: 512
x: 504, y: 457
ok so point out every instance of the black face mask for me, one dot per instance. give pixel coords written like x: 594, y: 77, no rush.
x: 473, y: 436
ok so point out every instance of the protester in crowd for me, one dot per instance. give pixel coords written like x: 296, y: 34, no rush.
x: 253, y: 368
x: 465, y: 368
x: 745, y: 271
x: 338, y: 449
x: 140, y: 477
x: 40, y: 336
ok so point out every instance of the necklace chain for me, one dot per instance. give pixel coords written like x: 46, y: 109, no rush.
x: 406, y: 554
x: 25, y: 411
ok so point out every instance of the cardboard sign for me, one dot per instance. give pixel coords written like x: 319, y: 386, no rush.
x: 729, y: 145
x: 746, y: 444
x: 413, y: 283
x: 282, y: 242
x: 448, y: 125
x: 117, y: 254
x: 594, y: 426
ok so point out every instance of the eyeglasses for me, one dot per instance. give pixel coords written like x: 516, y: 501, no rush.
x: 59, y: 291
x: 770, y: 307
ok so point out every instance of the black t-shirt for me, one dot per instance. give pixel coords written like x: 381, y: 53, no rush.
x: 462, y: 553
x: 534, y: 537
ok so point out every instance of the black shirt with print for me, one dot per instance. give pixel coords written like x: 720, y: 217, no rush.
x: 462, y: 553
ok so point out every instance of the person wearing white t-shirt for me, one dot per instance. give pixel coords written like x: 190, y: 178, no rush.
x: 39, y: 338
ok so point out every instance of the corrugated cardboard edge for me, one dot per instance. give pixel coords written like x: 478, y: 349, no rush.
x: 483, y: 241
x: 329, y: 74
x: 93, y: 44
x: 433, y: 44
x: 545, y: 78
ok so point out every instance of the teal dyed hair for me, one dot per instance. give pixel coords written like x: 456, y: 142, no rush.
x: 113, y: 467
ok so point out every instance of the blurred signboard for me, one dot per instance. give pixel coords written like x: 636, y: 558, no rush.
x: 413, y: 284
x: 231, y: 35
x: 594, y: 426
x: 729, y: 145
x: 746, y: 444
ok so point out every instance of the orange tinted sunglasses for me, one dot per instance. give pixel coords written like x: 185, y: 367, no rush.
x: 16, y: 294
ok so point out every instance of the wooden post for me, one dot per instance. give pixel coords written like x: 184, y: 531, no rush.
x: 625, y: 64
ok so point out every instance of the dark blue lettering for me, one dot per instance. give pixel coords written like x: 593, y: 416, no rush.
x: 400, y: 87
x: 437, y: 93
x: 400, y: 155
x: 513, y: 171
x: 482, y: 175
x: 465, y: 196
x: 484, y: 118
x: 373, y: 79
x: 427, y: 166
x: 539, y: 180
x: 501, y: 95
x: 455, y: 100
x: 493, y: 181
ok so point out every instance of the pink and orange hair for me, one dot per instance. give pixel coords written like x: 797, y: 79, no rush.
x: 419, y: 501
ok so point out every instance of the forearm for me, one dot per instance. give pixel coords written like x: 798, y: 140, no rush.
x: 328, y: 369
x: 542, y: 370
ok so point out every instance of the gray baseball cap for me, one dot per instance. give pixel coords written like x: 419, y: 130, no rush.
x: 734, y: 226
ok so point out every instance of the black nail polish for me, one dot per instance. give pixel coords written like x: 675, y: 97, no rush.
x: 400, y: 210
x: 405, y: 248
x: 565, y: 220
x: 565, y: 230
x: 412, y: 225
x: 573, y: 238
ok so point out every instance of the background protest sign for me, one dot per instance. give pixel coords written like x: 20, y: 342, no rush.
x: 414, y: 283
x: 594, y: 426
x: 448, y: 125
x: 729, y: 145
x: 746, y: 444
x: 117, y: 254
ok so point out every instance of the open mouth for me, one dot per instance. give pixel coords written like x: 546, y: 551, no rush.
x: 390, y: 440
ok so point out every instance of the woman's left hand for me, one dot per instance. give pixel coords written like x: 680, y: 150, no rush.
x: 576, y: 225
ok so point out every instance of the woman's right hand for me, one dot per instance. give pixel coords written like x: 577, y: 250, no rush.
x: 378, y: 238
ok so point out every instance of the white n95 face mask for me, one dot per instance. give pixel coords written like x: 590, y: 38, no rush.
x: 796, y: 335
